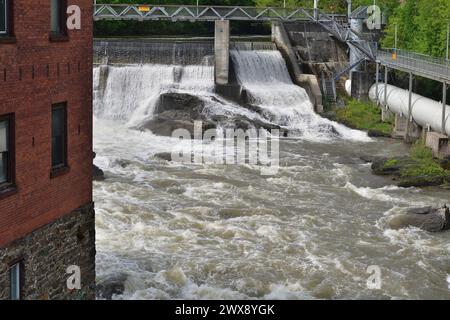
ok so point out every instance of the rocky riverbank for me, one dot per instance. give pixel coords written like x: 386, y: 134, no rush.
x: 361, y: 116
x: 418, y: 169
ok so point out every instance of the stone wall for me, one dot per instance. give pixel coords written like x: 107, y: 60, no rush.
x: 47, y: 252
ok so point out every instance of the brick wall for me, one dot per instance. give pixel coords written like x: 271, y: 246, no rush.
x: 48, y: 252
x: 34, y: 74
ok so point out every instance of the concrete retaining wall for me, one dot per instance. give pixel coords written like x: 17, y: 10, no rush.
x: 307, y: 81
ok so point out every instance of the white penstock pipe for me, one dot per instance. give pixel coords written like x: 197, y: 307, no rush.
x: 425, y: 112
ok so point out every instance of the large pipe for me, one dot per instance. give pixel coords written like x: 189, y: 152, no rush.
x: 425, y: 112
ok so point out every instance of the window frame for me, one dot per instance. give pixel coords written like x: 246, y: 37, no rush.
x: 64, y: 166
x: 62, y: 35
x: 10, y: 182
x: 21, y: 278
x: 7, y: 36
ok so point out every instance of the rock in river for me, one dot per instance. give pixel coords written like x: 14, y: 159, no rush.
x: 113, y: 285
x: 428, y: 218
x: 179, y: 111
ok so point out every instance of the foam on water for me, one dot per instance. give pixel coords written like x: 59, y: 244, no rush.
x: 182, y: 231
x: 265, y: 76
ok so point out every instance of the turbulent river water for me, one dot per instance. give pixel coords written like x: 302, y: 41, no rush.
x: 206, y: 231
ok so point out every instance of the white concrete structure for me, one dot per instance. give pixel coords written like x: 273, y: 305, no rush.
x: 425, y: 112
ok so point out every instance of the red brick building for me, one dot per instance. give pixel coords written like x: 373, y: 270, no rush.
x: 46, y: 211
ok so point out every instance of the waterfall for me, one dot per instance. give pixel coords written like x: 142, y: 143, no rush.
x: 133, y: 90
x: 265, y: 77
x: 129, y: 93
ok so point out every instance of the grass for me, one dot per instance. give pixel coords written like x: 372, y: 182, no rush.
x: 424, y: 164
x: 363, y: 116
x: 391, y: 163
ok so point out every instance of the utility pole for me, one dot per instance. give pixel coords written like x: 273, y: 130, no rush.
x: 448, y: 39
x: 396, y: 37
x: 349, y: 9
x: 316, y: 8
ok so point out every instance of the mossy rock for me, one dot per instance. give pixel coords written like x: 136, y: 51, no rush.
x: 421, y: 181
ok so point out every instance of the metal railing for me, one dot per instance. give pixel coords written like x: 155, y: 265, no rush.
x: 419, y: 64
x: 201, y: 13
x: 337, y: 25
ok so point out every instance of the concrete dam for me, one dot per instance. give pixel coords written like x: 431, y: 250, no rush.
x: 259, y: 92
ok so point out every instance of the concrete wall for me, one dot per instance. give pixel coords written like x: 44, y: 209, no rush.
x: 307, y: 81
x: 361, y: 81
x: 47, y: 252
x: 142, y: 51
x: 315, y: 48
x: 222, y: 51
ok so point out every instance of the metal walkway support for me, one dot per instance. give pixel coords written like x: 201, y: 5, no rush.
x: 410, y: 118
x: 444, y: 104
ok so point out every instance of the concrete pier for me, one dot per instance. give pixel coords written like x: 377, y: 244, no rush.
x: 222, y: 51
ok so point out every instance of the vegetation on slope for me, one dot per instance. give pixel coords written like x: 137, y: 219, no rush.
x: 363, y: 116
x: 419, y: 168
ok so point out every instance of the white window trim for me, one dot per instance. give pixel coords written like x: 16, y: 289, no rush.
x: 3, y: 32
x: 17, y: 269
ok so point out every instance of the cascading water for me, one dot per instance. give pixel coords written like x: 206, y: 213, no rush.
x: 132, y: 91
x: 169, y: 230
x: 136, y: 88
x: 264, y: 75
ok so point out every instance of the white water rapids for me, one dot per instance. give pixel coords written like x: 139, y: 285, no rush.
x: 190, y: 231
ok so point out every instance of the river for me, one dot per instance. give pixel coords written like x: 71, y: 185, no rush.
x: 212, y: 231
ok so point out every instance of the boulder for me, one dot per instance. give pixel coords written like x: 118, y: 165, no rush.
x: 421, y: 181
x: 428, y: 218
x: 97, y: 173
x: 164, y: 156
x: 377, y: 134
x: 113, y: 285
x: 179, y: 111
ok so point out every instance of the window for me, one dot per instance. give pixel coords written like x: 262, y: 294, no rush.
x: 59, y: 136
x: 58, y: 17
x: 16, y: 281
x: 5, y: 17
x: 6, y: 152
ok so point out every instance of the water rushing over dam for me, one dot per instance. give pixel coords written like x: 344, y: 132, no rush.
x: 173, y: 230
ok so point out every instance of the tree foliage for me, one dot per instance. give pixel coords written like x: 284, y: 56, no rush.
x: 421, y: 25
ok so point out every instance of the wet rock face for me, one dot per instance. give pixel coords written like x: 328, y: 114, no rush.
x: 427, y: 218
x: 179, y: 111
x: 97, y: 173
x: 114, y: 285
